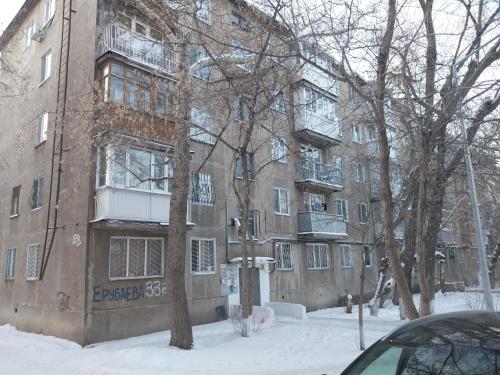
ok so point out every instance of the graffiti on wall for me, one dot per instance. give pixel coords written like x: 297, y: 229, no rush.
x: 150, y: 289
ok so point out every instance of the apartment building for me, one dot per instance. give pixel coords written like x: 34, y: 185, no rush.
x: 86, y: 144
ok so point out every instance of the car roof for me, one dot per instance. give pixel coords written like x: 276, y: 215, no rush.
x: 471, y: 328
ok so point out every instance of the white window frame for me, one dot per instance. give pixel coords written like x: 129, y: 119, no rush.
x: 42, y: 125
x: 46, y: 66
x: 214, y: 255
x: 316, y: 256
x: 368, y: 260
x: 356, y: 134
x: 359, y: 172
x: 10, y: 264
x: 32, y: 265
x: 49, y: 9
x: 283, y: 211
x: 344, y: 206
x: 313, y: 201
x: 284, y: 258
x: 371, y: 133
x: 203, y: 11
x: 145, y: 276
x: 345, y: 256
x: 39, y: 193
x: 15, y: 201
x: 360, y: 218
x: 29, y: 30
x: 353, y: 96
x: 202, y: 120
x: 279, y: 150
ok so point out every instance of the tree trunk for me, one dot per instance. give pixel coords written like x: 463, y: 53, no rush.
x: 177, y: 306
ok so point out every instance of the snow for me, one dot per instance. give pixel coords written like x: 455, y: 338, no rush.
x: 323, y: 344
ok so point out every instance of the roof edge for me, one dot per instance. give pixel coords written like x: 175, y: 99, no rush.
x: 16, y: 21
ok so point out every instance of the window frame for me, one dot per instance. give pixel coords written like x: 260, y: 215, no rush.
x: 203, y: 120
x: 344, y: 204
x: 252, y: 221
x: 42, y: 127
x: 250, y: 166
x: 33, y: 247
x: 345, y: 261
x: 282, y: 211
x: 214, y: 255
x: 359, y: 173
x: 362, y: 204
x: 39, y: 182
x: 46, y: 66
x: 356, y: 134
x: 207, y: 180
x: 280, y: 248
x: 15, y: 201
x: 29, y: 31
x: 317, y: 261
x: 204, y: 14
x: 311, y: 203
x: 10, y: 264
x: 279, y: 150
x: 49, y: 9
x: 146, y: 239
x: 368, y: 260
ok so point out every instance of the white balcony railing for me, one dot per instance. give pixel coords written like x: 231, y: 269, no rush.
x: 148, y: 51
x: 116, y: 203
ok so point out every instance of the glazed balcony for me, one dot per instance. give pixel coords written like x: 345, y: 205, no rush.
x: 321, y: 177
x: 147, y: 51
x: 321, y: 225
x: 316, y: 130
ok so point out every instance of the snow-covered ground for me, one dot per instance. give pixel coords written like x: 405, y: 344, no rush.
x: 323, y: 344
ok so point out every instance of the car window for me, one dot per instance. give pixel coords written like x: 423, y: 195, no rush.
x: 386, y: 363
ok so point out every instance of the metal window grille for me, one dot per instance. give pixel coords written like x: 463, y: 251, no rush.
x: 36, y: 196
x: 131, y: 257
x: 284, y: 256
x: 32, y: 262
x: 202, y: 189
x: 317, y: 256
x: 345, y: 256
x: 10, y: 264
x: 202, y: 255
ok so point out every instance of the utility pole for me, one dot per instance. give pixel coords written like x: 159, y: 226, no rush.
x: 483, y: 266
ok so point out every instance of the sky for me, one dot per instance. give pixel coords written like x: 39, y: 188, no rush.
x: 8, y: 9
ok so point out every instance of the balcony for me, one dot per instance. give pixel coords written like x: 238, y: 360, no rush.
x: 319, y: 78
x: 147, y: 51
x: 321, y: 177
x: 321, y: 225
x: 118, y: 203
x: 316, y: 130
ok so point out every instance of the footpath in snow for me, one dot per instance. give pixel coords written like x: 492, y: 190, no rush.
x: 325, y: 343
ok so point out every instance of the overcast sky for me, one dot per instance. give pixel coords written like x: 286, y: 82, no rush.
x: 8, y: 9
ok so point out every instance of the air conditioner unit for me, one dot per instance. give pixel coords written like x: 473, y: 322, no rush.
x: 39, y: 36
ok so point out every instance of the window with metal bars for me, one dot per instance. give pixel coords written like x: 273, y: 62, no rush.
x: 345, y: 256
x: 202, y: 255
x: 37, y: 193
x: 10, y: 263
x: 32, y: 260
x: 317, y: 256
x: 284, y: 256
x: 135, y: 257
x: 202, y: 189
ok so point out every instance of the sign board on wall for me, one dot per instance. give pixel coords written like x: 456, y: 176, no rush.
x: 228, y: 279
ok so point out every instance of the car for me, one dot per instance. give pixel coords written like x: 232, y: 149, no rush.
x: 465, y: 343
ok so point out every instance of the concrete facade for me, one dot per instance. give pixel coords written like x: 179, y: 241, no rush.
x: 79, y: 298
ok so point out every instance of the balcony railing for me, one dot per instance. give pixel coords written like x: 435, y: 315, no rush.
x: 138, y: 47
x: 320, y: 175
x: 118, y: 203
x: 318, y: 130
x: 321, y: 225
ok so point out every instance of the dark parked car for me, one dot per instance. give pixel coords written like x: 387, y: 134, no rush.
x: 460, y: 343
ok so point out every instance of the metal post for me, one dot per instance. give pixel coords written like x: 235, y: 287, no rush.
x: 483, y: 265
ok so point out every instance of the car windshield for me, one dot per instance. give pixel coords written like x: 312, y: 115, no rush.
x: 393, y: 358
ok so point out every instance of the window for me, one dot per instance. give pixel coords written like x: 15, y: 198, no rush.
x: 203, y: 11
x: 278, y: 102
x: 239, y: 169
x: 337, y: 163
x: 345, y: 256
x: 10, y: 264
x: 252, y: 223
x: 353, y: 95
x: 133, y: 168
x: 46, y: 66
x: 359, y: 172
x: 367, y: 255
x: 32, y: 260
x: 202, y: 189
x: 202, y: 70
x: 317, y: 256
x: 314, y: 202
x: 362, y: 212
x: 320, y: 105
x: 284, y: 256
x: 37, y: 193
x: 356, y: 134
x: 371, y: 133
x: 279, y: 151
x: 131, y: 257
x: 28, y: 33
x: 341, y: 209
x: 49, y: 9
x: 42, y: 123
x: 203, y: 255
x: 203, y: 132
x: 14, y: 201
x: 239, y: 20
x: 281, y: 203
x: 243, y: 112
